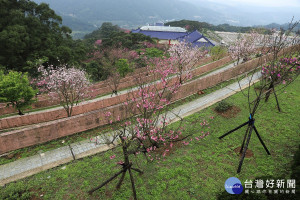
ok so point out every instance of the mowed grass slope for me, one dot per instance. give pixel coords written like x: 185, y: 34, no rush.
x: 194, y: 171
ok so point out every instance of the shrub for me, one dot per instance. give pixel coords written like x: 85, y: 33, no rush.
x: 154, y: 53
x: 15, y: 90
x: 223, y: 106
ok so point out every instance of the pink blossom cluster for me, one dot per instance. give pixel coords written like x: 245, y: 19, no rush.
x: 98, y: 42
x: 282, y: 71
x: 149, y: 45
x: 69, y: 85
x: 185, y: 58
x: 245, y: 46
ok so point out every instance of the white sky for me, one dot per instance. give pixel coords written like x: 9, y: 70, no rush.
x: 265, y: 3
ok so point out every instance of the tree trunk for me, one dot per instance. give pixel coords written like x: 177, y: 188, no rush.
x: 20, y: 112
x: 269, y: 92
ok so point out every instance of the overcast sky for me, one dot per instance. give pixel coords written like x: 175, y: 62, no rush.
x: 265, y: 3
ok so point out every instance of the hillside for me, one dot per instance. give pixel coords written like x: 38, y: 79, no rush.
x: 278, y: 26
x: 127, y: 13
x: 202, y: 26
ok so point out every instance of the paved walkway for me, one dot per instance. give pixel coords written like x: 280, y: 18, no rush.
x: 40, y: 162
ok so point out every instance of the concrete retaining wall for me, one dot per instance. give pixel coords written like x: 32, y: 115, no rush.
x: 96, y: 89
x: 46, y: 116
x: 48, y: 131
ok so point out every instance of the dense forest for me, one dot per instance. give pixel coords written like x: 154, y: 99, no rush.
x: 39, y: 55
x: 202, y: 26
x: 30, y: 32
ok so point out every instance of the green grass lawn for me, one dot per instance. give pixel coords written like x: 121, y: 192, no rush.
x: 196, y: 171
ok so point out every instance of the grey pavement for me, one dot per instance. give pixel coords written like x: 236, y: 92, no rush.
x: 219, y: 70
x: 50, y: 159
x: 212, y: 98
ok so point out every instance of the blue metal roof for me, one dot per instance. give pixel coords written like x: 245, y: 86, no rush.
x: 192, y: 37
x: 161, y: 34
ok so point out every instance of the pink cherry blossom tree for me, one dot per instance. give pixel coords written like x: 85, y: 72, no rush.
x: 148, y: 129
x: 280, y: 74
x: 279, y: 66
x: 68, y: 85
x: 281, y: 62
x: 186, y: 58
x: 244, y: 47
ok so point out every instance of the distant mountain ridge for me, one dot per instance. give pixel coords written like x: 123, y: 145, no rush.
x: 87, y: 15
x: 278, y: 26
x: 130, y: 13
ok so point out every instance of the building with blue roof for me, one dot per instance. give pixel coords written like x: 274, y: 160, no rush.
x: 197, y: 39
x: 173, y: 35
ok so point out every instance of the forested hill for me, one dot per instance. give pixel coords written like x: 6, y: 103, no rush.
x: 201, y: 26
x: 278, y: 26
x: 32, y: 33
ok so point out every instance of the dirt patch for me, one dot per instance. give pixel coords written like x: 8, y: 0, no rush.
x: 230, y: 113
x: 259, y: 88
x: 37, y: 194
x: 160, y: 151
x: 249, y: 153
x: 108, y: 192
x: 12, y: 156
x: 200, y: 92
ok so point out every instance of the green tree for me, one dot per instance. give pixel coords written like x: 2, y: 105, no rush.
x: 123, y: 67
x: 126, y: 40
x: 97, y: 70
x: 103, y: 32
x: 15, y: 90
x: 218, y: 52
x: 118, y: 70
x: 29, y: 31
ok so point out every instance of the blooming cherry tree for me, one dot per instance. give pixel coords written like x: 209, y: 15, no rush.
x: 148, y: 129
x: 119, y: 70
x: 281, y: 73
x: 279, y: 66
x: 186, y: 58
x: 244, y: 46
x: 69, y: 85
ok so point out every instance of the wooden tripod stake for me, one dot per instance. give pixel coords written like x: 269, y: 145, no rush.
x: 127, y: 166
x: 248, y: 133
